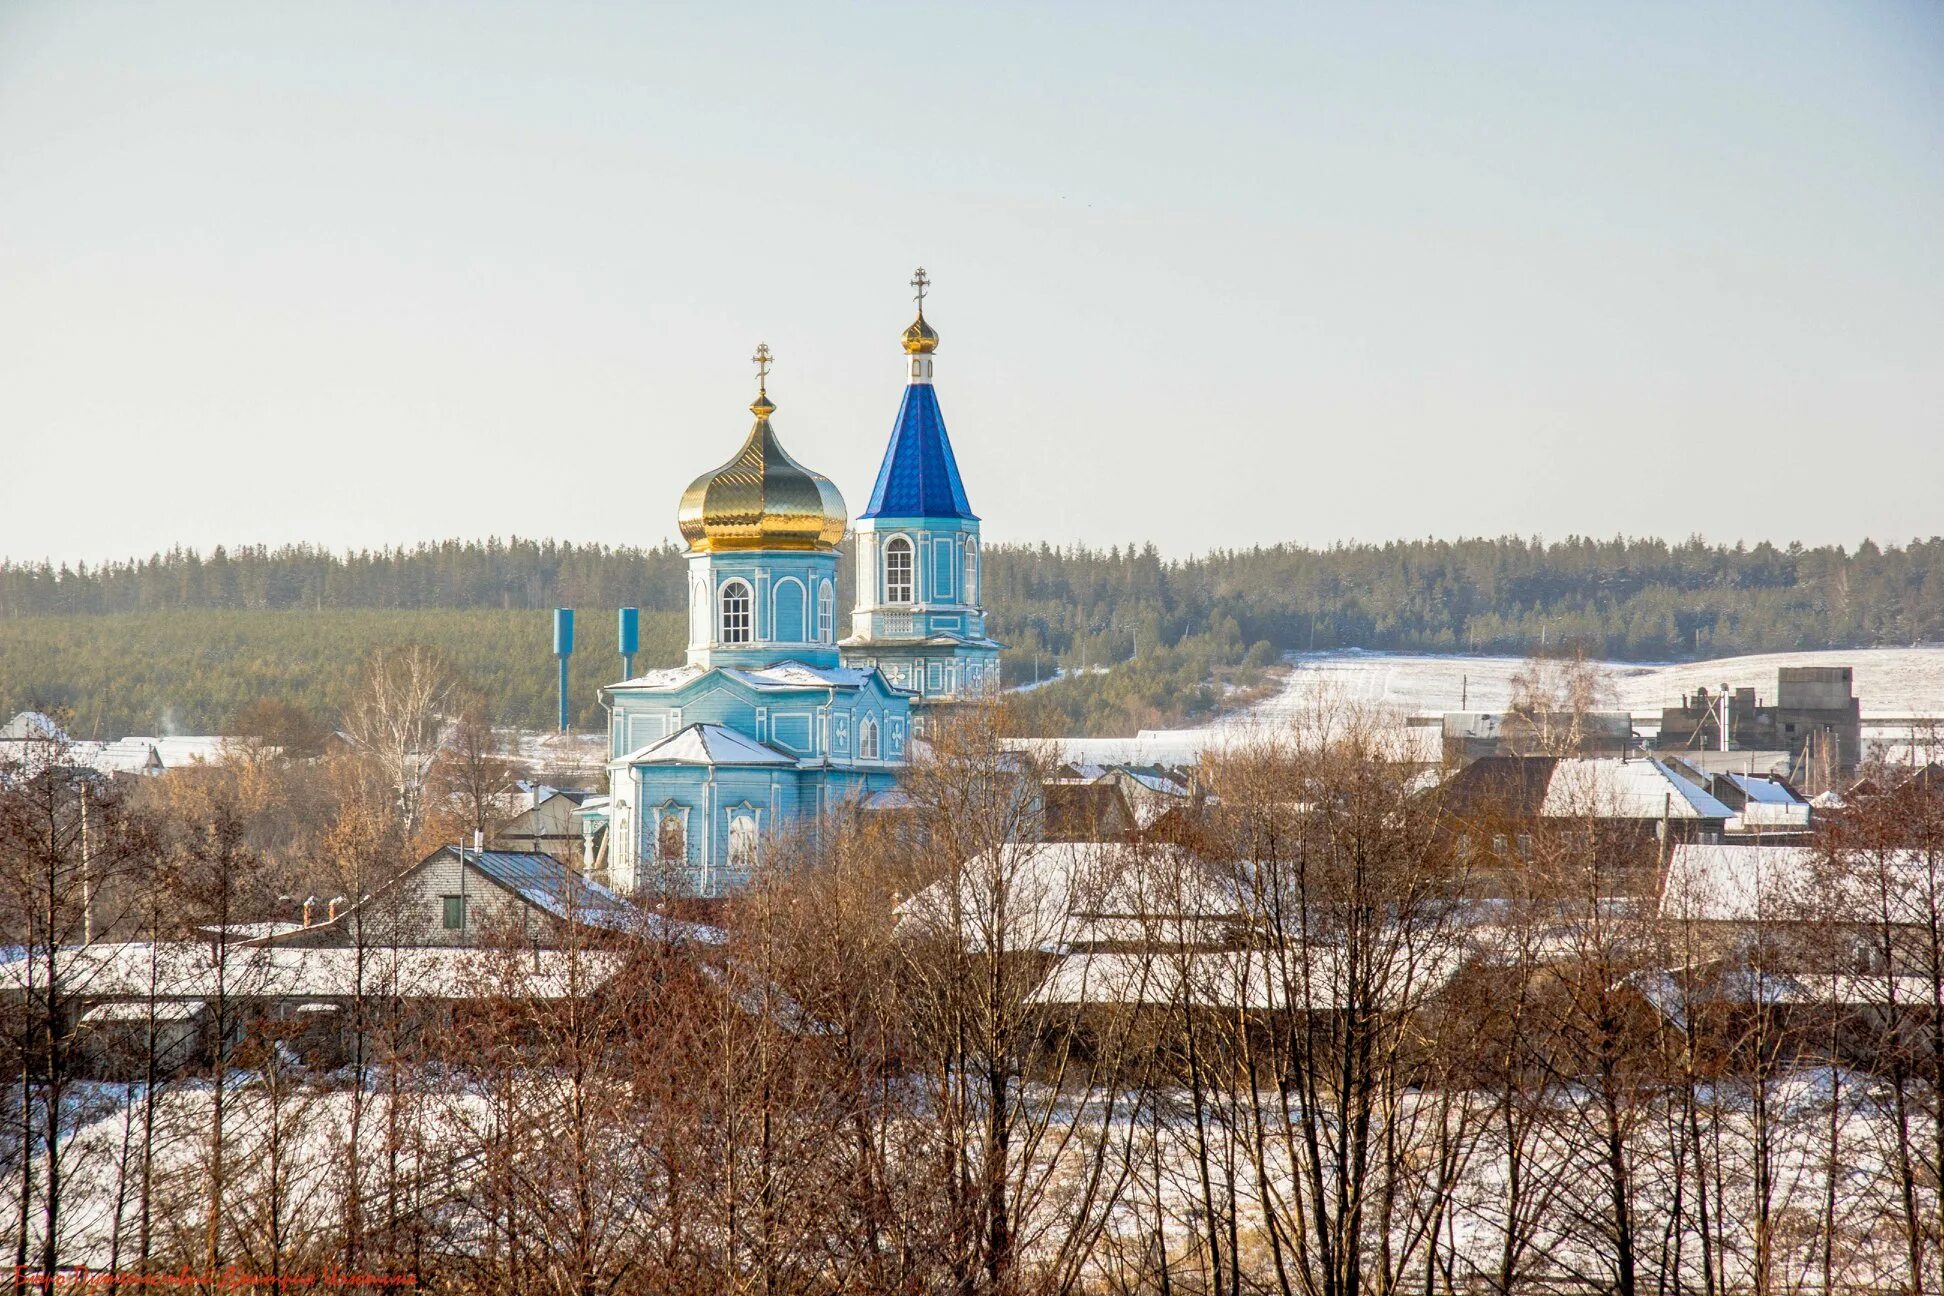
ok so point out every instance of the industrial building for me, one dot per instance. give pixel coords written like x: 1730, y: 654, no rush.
x: 1815, y: 718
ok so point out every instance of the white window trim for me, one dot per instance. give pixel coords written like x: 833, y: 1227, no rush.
x: 911, y: 574
x: 803, y: 622
x: 745, y: 812
x: 722, y: 611
x: 680, y: 813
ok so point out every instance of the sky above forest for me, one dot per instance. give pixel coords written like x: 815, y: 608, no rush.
x: 361, y: 273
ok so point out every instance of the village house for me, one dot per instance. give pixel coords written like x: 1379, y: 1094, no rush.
x: 461, y: 896
x: 197, y: 995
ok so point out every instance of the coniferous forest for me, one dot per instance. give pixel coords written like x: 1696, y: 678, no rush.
x: 183, y: 640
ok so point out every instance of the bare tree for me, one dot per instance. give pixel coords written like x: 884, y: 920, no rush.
x: 66, y: 842
x: 473, y: 772
x: 1554, y: 695
x: 398, y: 720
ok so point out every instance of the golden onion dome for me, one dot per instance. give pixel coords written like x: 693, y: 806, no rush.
x: 762, y: 498
x: 921, y: 338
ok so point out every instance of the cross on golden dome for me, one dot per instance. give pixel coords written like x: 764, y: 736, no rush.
x: 762, y: 407
x: 921, y: 338
x: 762, y: 498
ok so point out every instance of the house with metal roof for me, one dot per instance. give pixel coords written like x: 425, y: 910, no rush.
x: 460, y: 896
x: 548, y: 821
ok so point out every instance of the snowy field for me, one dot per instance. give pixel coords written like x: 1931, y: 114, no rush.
x: 1889, y: 681
x: 1898, y: 682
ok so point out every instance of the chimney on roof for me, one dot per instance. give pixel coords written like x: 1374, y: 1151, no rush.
x: 479, y: 840
x: 310, y: 903
x: 332, y: 913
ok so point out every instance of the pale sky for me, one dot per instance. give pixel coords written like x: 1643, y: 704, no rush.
x: 371, y: 273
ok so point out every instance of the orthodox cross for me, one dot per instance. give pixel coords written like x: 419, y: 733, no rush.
x: 919, y: 282
x: 762, y: 362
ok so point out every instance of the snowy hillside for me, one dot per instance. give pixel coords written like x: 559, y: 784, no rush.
x: 1890, y: 681
x: 1898, y: 682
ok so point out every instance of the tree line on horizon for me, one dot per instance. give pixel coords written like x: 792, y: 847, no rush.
x: 178, y: 635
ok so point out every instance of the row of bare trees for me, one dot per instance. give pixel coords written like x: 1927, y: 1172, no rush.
x: 1329, y: 1038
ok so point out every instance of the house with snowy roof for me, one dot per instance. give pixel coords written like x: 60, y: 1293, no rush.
x: 175, y: 1000
x: 460, y: 896
x: 545, y: 819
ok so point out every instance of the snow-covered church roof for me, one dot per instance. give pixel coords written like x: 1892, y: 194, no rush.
x: 782, y: 675
x: 706, y: 744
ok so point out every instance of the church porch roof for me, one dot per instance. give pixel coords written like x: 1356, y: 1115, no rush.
x: 781, y: 676
x: 706, y: 744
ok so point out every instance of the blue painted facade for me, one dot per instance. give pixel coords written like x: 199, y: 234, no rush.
x: 920, y: 616
x: 763, y: 730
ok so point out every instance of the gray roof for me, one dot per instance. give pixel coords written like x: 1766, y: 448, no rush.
x: 547, y: 884
x: 1768, y: 791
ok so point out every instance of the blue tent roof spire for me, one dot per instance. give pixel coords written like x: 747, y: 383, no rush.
x: 919, y: 477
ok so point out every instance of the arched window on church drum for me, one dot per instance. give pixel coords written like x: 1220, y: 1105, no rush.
x: 735, y: 612
x: 786, y: 620
x: 671, y: 841
x: 700, y: 615
x: 742, y: 842
x: 826, y: 612
x: 897, y: 571
x: 971, y: 593
x: 867, y: 739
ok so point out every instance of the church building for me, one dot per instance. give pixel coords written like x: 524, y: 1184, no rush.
x: 918, y: 617
x: 767, y: 726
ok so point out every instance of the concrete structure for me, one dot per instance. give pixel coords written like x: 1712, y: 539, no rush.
x: 1812, y: 703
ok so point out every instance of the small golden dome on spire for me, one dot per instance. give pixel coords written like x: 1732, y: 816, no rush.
x: 921, y: 338
x: 762, y: 498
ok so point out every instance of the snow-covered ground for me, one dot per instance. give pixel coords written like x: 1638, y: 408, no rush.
x: 1889, y: 681
x: 1900, y: 682
x: 445, y: 1128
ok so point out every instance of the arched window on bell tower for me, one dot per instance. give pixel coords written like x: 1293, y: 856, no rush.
x: 897, y: 570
